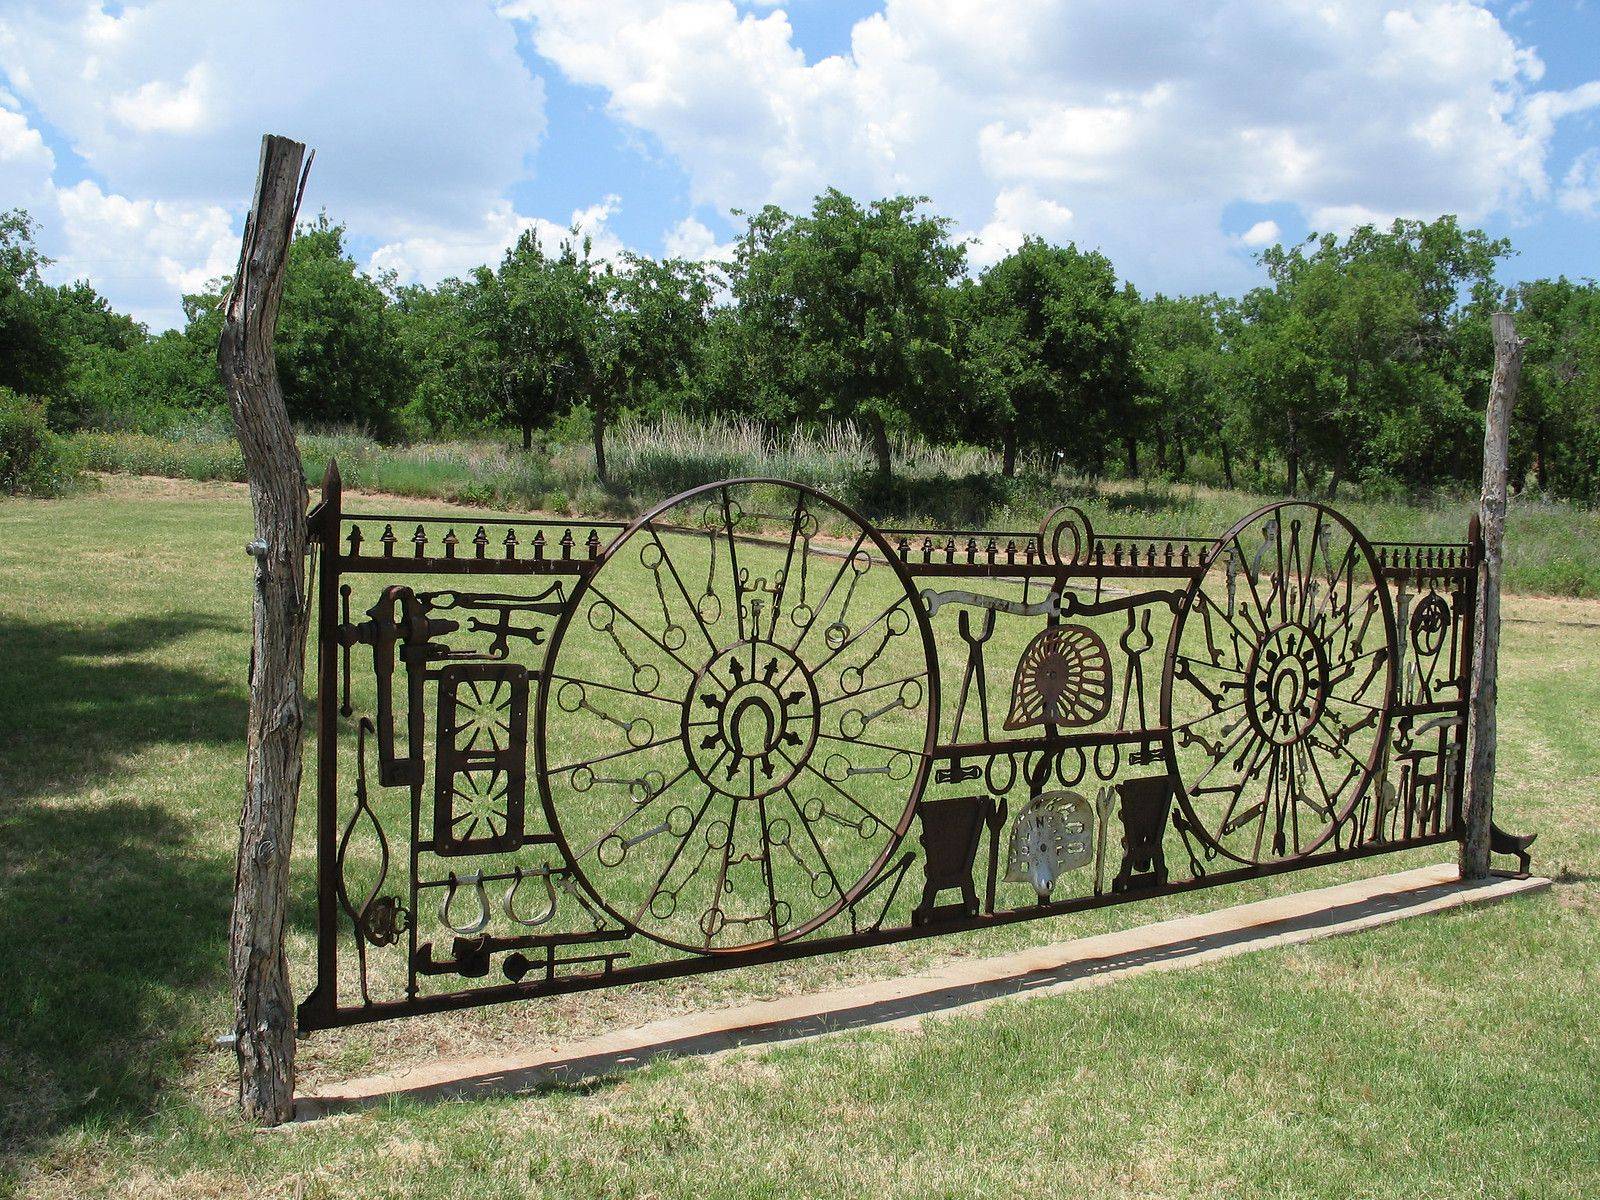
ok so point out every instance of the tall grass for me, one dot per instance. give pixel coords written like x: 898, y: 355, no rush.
x: 1553, y: 547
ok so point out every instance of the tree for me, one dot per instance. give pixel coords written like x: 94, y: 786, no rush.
x: 852, y: 309
x: 33, y: 356
x: 734, y: 371
x: 650, y: 315
x: 263, y: 1026
x: 1184, y: 373
x: 1557, y: 429
x: 338, y: 343
x: 85, y: 318
x: 338, y: 347
x: 1056, y: 339
x: 535, y: 317
x: 147, y: 386
x: 1283, y: 389
x: 1358, y: 350
x: 449, y: 357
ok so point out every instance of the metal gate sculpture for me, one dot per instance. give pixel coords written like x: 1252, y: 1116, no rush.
x: 749, y: 726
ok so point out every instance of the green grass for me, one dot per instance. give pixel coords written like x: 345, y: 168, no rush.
x: 1554, y: 547
x: 1452, y: 1055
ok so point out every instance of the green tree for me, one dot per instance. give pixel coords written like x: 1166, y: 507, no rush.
x: 650, y: 314
x: 1185, y: 375
x: 1556, y: 425
x: 851, y: 307
x: 1362, y: 354
x: 449, y: 356
x: 532, y: 323
x: 338, y: 346
x: 1055, y: 339
x: 104, y: 348
x: 33, y: 354
x: 1282, y: 387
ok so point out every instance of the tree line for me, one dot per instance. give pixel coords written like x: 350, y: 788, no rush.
x: 1361, y: 359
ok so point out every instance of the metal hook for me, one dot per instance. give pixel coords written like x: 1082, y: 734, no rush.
x: 550, y: 894
x: 482, y: 922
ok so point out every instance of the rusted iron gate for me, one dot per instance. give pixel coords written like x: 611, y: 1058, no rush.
x: 557, y: 756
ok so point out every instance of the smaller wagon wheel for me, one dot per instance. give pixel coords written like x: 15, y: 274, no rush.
x: 1280, y: 676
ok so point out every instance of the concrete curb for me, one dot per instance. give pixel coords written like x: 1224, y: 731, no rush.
x: 959, y: 987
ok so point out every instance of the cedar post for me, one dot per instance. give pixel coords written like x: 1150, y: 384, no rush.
x: 262, y: 999
x: 1491, y: 524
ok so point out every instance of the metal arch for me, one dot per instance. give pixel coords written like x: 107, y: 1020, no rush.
x: 1375, y: 758
x: 917, y: 782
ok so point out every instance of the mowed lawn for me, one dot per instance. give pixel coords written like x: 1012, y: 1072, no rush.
x: 1453, y: 1055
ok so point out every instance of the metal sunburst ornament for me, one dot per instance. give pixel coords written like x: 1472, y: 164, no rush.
x: 1063, y: 678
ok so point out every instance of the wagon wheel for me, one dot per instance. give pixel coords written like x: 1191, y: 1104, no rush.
x: 1279, y: 678
x: 738, y: 716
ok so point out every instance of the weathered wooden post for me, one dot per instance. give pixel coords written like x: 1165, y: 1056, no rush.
x: 1491, y: 523
x: 263, y: 1002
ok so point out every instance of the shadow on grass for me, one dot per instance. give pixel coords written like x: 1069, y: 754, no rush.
x: 113, y: 909
x: 965, y: 502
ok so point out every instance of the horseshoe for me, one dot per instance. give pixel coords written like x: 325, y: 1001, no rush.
x: 482, y: 921
x: 510, y: 903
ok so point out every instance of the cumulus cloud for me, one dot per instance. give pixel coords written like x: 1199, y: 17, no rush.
x: 26, y: 163
x: 1017, y: 213
x: 1143, y: 121
x: 429, y: 254
x: 1262, y: 233
x: 169, y: 248
x: 424, y: 117
x: 693, y: 240
x: 1130, y: 128
x: 1580, y: 190
x: 414, y: 109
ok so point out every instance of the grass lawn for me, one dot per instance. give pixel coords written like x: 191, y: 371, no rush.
x: 1452, y: 1055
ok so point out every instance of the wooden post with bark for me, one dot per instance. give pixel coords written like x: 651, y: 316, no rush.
x: 1491, y: 523
x: 263, y: 1001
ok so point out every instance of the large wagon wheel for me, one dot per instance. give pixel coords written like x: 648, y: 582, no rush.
x: 738, y: 716
x: 1279, y: 679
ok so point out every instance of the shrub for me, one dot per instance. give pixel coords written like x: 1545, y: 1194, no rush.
x: 33, y: 461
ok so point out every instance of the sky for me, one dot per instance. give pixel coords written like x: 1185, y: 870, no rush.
x: 1178, y: 137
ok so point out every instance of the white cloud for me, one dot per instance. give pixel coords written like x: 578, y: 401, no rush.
x: 26, y: 163
x: 146, y: 253
x: 415, y: 109
x: 1262, y: 233
x: 692, y: 240
x: 429, y: 254
x: 1145, y: 121
x: 170, y: 248
x: 1129, y: 128
x: 423, y: 116
x: 1580, y: 190
x: 162, y: 107
x: 1017, y: 212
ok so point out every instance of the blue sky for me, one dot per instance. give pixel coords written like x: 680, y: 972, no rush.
x: 1177, y: 136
